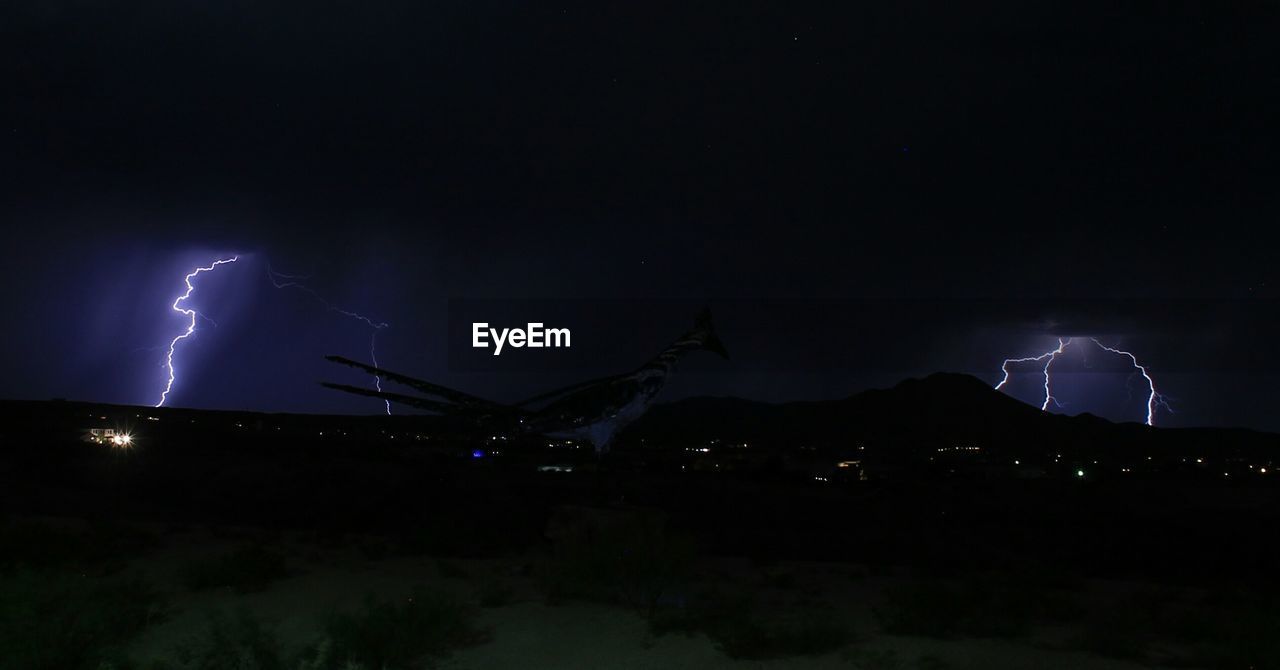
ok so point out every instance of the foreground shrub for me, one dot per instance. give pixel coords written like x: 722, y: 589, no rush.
x: 751, y: 637
x: 236, y: 642
x: 978, y: 607
x: 930, y: 609
x: 743, y: 630
x: 1226, y: 629
x: 247, y: 569
x: 495, y: 593
x: 635, y: 564
x: 397, y: 636
x: 67, y: 622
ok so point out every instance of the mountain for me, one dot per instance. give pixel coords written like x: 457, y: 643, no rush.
x: 924, y: 415
x: 914, y: 421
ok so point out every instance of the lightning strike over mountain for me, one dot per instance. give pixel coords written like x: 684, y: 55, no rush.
x: 1154, y: 398
x: 1050, y: 355
x: 282, y: 280
x: 191, y: 314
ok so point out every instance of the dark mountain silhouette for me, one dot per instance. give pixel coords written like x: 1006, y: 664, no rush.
x: 915, y: 418
x: 940, y: 410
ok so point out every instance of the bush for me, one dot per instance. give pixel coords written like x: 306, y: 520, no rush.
x: 810, y: 633
x: 1248, y: 640
x: 872, y: 659
x: 496, y: 593
x: 247, y: 569
x: 452, y: 570
x: 1225, y: 630
x: 391, y: 636
x: 67, y: 622
x: 741, y: 630
x: 374, y: 548
x: 981, y: 607
x: 322, y: 660
x: 239, y: 642
x: 1121, y: 631
x: 635, y: 564
x: 930, y: 609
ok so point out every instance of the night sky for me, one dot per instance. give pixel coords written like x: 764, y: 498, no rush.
x: 861, y: 192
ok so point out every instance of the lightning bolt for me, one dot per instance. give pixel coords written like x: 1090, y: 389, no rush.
x: 191, y: 314
x: 1154, y: 398
x: 1048, y: 357
x: 282, y: 280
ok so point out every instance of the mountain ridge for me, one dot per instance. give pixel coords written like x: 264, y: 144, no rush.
x: 939, y: 410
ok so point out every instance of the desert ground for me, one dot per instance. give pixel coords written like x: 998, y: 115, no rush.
x: 174, y: 597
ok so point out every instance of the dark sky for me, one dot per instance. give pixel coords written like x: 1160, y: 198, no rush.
x: 861, y: 191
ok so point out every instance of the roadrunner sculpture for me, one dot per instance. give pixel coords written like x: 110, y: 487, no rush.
x: 593, y: 410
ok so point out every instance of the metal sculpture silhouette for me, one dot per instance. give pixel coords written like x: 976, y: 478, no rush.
x: 593, y: 410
